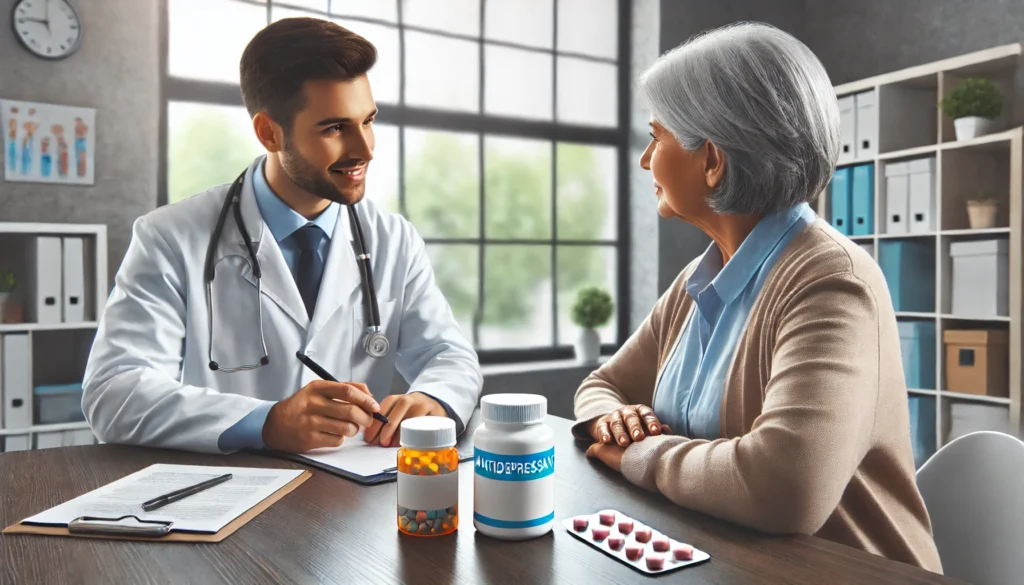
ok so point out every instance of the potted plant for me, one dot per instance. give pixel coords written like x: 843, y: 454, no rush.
x: 973, y: 105
x: 7, y: 284
x: 981, y: 211
x: 593, y: 309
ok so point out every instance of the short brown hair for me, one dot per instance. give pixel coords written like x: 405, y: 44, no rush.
x: 282, y: 57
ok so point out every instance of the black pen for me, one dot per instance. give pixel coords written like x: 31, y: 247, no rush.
x: 161, y: 501
x: 309, y: 363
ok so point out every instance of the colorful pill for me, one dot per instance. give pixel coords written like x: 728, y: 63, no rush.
x: 402, y: 511
x: 412, y: 526
x: 453, y: 510
x: 634, y: 552
x: 660, y: 544
x: 616, y: 542
x: 579, y: 524
x: 626, y: 526
x: 421, y: 516
x: 643, y: 534
x: 607, y: 518
x: 600, y: 533
x: 683, y: 553
x: 655, y: 563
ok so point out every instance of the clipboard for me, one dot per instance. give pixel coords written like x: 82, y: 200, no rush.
x: 152, y: 531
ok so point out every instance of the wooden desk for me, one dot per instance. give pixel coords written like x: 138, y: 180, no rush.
x: 331, y: 530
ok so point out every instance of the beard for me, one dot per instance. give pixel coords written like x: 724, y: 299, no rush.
x: 317, y: 182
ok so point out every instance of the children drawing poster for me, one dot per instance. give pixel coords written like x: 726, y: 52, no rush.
x: 47, y: 143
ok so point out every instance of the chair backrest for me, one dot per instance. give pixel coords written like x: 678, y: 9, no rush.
x: 974, y: 490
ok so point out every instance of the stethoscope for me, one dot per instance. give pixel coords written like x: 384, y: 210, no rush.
x: 375, y: 343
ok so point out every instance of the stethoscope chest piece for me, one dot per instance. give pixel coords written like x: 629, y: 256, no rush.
x: 376, y: 344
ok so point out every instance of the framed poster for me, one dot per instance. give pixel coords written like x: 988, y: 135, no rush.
x: 48, y: 143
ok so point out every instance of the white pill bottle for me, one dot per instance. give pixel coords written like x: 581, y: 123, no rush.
x: 514, y: 467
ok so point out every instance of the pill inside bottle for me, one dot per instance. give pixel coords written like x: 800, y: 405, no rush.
x: 428, y: 477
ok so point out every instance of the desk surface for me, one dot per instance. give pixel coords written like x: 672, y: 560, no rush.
x: 331, y: 530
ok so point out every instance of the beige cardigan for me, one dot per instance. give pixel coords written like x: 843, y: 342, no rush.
x: 814, y: 416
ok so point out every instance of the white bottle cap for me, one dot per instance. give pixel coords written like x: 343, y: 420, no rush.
x: 514, y: 408
x: 427, y: 432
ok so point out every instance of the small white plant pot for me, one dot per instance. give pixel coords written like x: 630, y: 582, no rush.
x: 588, y: 346
x: 972, y: 127
x: 982, y: 214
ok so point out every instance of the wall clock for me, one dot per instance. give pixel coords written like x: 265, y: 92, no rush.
x: 49, y: 29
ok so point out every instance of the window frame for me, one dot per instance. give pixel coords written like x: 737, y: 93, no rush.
x: 482, y: 124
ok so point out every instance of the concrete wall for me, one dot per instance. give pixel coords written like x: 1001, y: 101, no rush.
x: 116, y: 70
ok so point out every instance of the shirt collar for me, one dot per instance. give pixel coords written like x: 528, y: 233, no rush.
x: 282, y: 220
x: 730, y: 280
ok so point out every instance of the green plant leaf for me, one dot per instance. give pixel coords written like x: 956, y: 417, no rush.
x: 593, y: 307
x: 974, y: 96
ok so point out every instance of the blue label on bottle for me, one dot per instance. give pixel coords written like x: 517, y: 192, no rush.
x: 514, y: 467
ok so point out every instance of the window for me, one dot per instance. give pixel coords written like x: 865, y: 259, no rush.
x: 500, y: 137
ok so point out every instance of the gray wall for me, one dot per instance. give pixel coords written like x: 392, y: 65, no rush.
x: 854, y: 39
x: 116, y: 71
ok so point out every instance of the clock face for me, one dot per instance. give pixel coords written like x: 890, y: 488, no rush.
x: 48, y: 28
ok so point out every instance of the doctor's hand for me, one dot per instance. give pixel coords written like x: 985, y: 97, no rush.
x: 398, y: 407
x: 321, y: 414
x: 626, y: 425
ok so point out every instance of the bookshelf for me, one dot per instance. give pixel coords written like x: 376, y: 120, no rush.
x: 909, y: 125
x: 52, y: 347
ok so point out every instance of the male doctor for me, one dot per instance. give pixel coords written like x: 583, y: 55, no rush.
x: 170, y: 369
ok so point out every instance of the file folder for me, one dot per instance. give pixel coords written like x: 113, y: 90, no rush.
x: 847, y: 129
x: 839, y: 201
x: 867, y: 125
x: 49, y: 440
x: 17, y: 381
x: 897, y: 198
x: 863, y: 222
x: 17, y: 443
x: 921, y: 182
x: 74, y: 280
x: 44, y: 304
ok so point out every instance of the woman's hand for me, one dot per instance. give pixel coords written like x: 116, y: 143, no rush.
x: 626, y: 425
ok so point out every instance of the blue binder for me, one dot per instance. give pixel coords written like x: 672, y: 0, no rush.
x: 917, y: 344
x: 863, y: 200
x: 839, y: 200
x: 922, y: 428
x: 909, y: 270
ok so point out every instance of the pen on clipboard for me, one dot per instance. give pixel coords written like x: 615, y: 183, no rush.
x: 325, y: 375
x: 170, y: 498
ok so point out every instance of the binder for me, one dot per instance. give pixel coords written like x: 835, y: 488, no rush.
x: 43, y: 303
x: 863, y: 205
x: 49, y: 440
x: 839, y: 201
x: 867, y: 124
x: 847, y: 129
x: 17, y: 382
x: 77, y: 438
x: 74, y: 280
x: 922, y: 195
x: 897, y: 198
x: 17, y: 443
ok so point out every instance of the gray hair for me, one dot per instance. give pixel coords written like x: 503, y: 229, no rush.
x: 764, y: 99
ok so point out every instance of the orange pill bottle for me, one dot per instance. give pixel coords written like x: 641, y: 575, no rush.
x: 428, y: 477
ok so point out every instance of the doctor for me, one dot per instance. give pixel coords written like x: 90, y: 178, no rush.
x: 196, y: 348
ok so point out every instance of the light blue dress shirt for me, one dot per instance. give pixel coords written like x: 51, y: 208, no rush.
x: 688, y: 397
x: 283, y: 221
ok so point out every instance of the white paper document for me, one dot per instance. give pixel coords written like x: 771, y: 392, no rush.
x: 207, y: 511
x: 355, y: 456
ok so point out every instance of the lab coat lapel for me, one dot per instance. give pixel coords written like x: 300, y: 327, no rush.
x: 277, y: 280
x: 341, y: 275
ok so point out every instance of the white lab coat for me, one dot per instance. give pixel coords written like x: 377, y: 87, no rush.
x: 148, y: 380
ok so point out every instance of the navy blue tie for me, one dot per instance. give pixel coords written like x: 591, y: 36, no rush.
x: 311, y: 267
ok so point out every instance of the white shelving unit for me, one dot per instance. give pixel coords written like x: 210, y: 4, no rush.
x: 911, y: 126
x: 57, y: 350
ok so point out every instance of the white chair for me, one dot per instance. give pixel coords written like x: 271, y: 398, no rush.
x: 974, y: 490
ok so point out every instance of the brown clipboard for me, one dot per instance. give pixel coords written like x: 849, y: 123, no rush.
x: 173, y: 536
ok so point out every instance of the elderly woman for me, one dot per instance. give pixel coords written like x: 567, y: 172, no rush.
x: 765, y: 387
